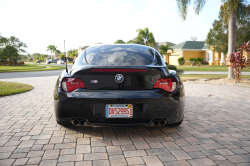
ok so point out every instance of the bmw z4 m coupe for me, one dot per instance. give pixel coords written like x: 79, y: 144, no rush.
x: 119, y: 84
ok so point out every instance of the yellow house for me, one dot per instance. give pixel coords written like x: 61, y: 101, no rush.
x: 247, y: 55
x: 194, y: 49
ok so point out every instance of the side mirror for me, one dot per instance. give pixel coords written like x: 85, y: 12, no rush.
x: 73, y: 62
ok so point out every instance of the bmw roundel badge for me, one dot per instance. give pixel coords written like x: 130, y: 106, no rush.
x: 119, y: 78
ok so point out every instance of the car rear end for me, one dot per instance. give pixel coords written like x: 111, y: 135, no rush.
x: 119, y: 87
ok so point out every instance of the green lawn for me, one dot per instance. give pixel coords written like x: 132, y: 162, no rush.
x: 10, y: 88
x: 207, y: 68
x: 28, y: 67
x: 205, y: 76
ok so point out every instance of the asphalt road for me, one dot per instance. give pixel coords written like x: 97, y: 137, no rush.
x: 33, y: 73
x: 30, y: 74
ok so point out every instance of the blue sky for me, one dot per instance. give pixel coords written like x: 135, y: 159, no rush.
x: 86, y: 22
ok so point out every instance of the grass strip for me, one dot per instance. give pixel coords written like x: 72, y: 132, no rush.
x: 10, y: 88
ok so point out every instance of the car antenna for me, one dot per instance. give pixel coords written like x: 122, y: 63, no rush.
x: 66, y: 58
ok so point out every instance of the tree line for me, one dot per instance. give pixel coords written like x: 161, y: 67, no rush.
x: 145, y: 37
x: 218, y: 34
x: 72, y: 53
x: 232, y: 13
x: 11, y: 49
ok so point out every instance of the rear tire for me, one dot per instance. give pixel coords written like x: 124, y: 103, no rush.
x: 64, y: 123
x: 175, y: 124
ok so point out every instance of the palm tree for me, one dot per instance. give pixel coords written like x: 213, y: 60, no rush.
x: 72, y: 53
x: 57, y: 52
x: 164, y: 49
x: 137, y: 40
x: 147, y: 36
x: 51, y: 48
x: 62, y: 55
x: 232, y: 9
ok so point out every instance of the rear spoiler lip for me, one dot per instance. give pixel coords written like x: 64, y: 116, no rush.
x: 79, y: 68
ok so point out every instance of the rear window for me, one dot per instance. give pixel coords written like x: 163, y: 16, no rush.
x: 122, y: 55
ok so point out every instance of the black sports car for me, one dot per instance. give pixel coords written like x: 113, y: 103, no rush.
x: 119, y: 84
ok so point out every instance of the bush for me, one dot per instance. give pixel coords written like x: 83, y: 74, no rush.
x: 11, y: 63
x: 181, y: 61
x: 238, y: 60
x: 193, y: 61
x: 200, y: 60
x: 205, y: 62
x: 20, y: 63
x: 172, y: 67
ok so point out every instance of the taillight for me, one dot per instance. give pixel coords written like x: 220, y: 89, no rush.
x: 167, y: 84
x: 70, y: 84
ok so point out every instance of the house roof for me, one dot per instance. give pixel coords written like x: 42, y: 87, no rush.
x: 191, y: 45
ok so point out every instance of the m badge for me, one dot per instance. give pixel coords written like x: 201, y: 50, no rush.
x: 94, y: 81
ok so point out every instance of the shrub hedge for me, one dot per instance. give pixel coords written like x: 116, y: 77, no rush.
x: 181, y: 61
x: 11, y: 63
x: 193, y: 61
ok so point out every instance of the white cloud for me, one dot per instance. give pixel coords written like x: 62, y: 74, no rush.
x: 41, y: 23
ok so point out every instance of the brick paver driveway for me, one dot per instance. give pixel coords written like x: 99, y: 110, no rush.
x: 216, y: 131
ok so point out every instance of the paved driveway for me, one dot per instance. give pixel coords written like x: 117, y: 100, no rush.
x: 216, y: 131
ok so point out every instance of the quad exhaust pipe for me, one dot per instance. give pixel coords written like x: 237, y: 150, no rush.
x: 159, y: 122
x: 156, y: 122
x: 82, y: 122
x: 162, y: 122
x: 78, y: 122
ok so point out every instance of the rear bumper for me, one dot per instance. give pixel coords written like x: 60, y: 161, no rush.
x: 147, y: 105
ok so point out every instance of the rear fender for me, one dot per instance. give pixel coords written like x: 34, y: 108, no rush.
x: 58, y: 83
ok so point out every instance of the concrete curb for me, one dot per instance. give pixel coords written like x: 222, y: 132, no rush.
x: 213, y: 72
x: 218, y: 83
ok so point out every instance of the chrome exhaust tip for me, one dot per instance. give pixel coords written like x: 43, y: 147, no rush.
x: 156, y: 122
x: 75, y: 122
x: 162, y: 122
x: 81, y: 122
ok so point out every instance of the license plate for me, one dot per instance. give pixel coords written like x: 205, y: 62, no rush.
x: 119, y: 110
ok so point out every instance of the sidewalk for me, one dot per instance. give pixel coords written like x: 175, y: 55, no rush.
x: 212, y: 72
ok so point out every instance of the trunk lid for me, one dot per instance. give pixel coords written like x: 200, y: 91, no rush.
x: 106, y: 78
